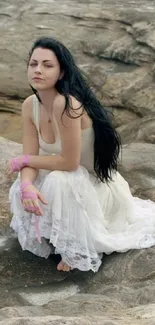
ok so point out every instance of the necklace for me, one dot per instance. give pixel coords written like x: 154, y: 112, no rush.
x: 49, y: 119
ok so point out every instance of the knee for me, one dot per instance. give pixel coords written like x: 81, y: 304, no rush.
x: 56, y: 176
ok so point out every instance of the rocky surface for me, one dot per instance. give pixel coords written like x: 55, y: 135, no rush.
x: 8, y: 149
x: 122, y: 291
x: 114, y: 43
x: 32, y: 291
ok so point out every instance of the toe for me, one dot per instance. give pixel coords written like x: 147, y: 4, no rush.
x: 60, y: 266
x: 66, y: 268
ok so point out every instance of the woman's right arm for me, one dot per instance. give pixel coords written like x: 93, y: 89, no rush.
x: 30, y: 139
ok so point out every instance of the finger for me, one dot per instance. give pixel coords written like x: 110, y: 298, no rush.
x: 30, y: 203
x: 38, y: 211
x: 8, y: 176
x: 35, y: 208
x: 26, y: 205
x: 8, y: 167
x: 7, y: 170
x: 32, y: 206
x: 37, y: 205
x: 41, y: 198
x: 31, y: 209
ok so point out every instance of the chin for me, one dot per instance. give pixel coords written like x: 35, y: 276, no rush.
x: 38, y: 86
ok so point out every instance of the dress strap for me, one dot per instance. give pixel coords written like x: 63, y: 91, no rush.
x: 36, y: 111
x: 56, y: 126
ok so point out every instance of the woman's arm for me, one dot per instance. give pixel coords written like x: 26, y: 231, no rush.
x: 70, y: 133
x: 67, y: 160
x: 30, y: 139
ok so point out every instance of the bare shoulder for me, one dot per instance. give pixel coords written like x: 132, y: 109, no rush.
x: 74, y: 103
x: 27, y: 106
x: 75, y: 107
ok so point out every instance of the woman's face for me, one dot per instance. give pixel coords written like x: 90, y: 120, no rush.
x: 43, y: 69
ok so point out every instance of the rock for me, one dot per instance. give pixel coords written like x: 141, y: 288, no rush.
x: 56, y: 320
x: 108, y: 297
x: 8, y: 149
x: 43, y: 296
x: 150, y: 194
x: 10, y: 105
x: 144, y: 33
x: 134, y: 91
x: 122, y: 120
x: 113, y: 43
x: 141, y: 97
x: 11, y: 126
x: 85, y: 320
x: 137, y: 130
x: 32, y: 291
x: 119, y: 46
x: 138, y: 167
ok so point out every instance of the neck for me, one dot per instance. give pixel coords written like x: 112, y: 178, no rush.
x: 47, y: 98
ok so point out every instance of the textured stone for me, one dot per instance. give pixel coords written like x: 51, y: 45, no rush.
x: 114, y: 43
x: 8, y: 149
x: 11, y: 126
x: 109, y: 39
x: 122, y: 290
x: 138, y: 165
x: 137, y: 130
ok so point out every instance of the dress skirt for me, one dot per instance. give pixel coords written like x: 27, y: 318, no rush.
x: 84, y: 218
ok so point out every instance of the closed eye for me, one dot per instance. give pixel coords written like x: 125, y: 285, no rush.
x: 32, y: 64
x: 48, y: 65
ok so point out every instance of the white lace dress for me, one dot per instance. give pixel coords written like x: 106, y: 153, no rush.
x: 84, y: 217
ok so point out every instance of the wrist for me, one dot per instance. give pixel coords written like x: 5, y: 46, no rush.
x: 24, y: 184
x: 25, y: 161
x: 20, y: 162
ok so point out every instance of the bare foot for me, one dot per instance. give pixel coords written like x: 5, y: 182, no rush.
x: 63, y: 267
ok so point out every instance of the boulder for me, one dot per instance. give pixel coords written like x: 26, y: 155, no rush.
x: 112, y: 42
x: 137, y: 130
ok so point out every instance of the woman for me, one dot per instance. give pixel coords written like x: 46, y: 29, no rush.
x: 70, y: 199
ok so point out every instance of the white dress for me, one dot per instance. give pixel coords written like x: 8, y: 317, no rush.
x: 84, y: 217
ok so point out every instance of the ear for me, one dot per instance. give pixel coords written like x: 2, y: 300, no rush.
x: 61, y: 75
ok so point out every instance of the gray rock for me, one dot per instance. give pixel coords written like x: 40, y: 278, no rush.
x: 8, y: 149
x: 137, y: 167
x: 123, y: 289
x: 137, y: 130
x: 109, y: 41
x: 113, y: 42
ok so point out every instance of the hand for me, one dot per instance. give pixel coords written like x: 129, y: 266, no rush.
x: 16, y: 164
x: 30, y: 197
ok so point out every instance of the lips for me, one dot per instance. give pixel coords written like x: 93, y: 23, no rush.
x: 37, y: 78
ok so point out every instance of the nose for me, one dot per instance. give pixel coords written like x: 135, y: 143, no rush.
x: 38, y: 69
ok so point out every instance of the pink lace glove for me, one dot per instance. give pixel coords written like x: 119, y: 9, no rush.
x: 17, y: 163
x: 28, y: 195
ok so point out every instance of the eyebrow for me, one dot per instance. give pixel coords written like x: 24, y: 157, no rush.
x: 43, y: 60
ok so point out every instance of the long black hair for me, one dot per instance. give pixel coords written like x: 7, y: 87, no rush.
x: 73, y: 83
